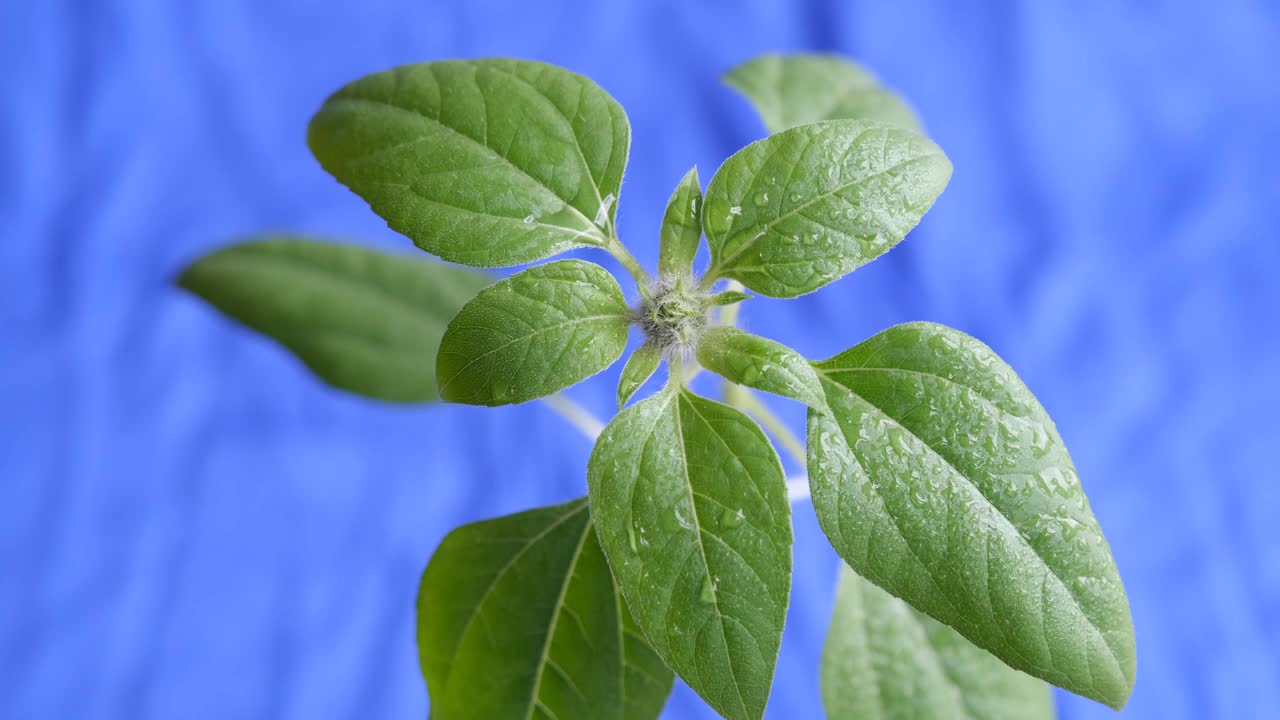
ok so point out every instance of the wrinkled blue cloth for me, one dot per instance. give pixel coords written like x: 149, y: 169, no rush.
x: 191, y: 526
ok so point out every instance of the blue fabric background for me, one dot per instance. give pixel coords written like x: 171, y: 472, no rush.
x: 191, y: 527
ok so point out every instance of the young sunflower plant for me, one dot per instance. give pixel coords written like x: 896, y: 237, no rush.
x: 974, y: 567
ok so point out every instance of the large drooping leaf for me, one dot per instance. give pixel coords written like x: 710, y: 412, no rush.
x: 799, y: 209
x: 760, y: 363
x: 939, y: 477
x: 518, y: 618
x: 692, y: 512
x: 791, y: 90
x: 681, y: 228
x: 886, y: 661
x: 533, y: 334
x: 485, y: 162
x: 361, y: 320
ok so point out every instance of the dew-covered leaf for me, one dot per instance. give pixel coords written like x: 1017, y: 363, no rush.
x: 487, y: 162
x: 760, y: 363
x: 642, y: 364
x: 692, y: 512
x: 681, y: 228
x: 938, y: 476
x: 533, y: 334
x: 361, y: 320
x: 885, y: 660
x: 799, y: 209
x: 791, y: 90
x: 518, y: 618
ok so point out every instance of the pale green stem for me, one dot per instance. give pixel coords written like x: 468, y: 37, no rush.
x: 697, y: 370
x: 624, y: 256
x: 579, y: 417
x: 676, y: 379
x: 747, y: 400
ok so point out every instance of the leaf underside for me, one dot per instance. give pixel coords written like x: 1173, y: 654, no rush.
x: 488, y: 162
x: 788, y: 214
x: 533, y: 334
x: 884, y: 660
x: 938, y: 476
x: 364, y: 321
x: 518, y: 618
x: 692, y: 512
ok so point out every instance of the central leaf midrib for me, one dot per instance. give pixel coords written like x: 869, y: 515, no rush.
x: 580, y: 505
x: 544, y: 657
x: 702, y: 550
x: 382, y: 102
x: 1017, y: 531
x: 769, y: 226
x: 577, y: 145
x: 520, y: 338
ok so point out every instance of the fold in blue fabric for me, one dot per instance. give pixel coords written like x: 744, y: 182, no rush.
x: 191, y: 526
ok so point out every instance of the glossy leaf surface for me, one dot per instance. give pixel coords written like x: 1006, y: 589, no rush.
x: 886, y: 661
x: 641, y: 366
x: 799, y: 209
x: 533, y: 334
x: 939, y: 477
x: 760, y: 363
x: 681, y: 228
x: 487, y: 162
x: 692, y: 512
x: 518, y: 618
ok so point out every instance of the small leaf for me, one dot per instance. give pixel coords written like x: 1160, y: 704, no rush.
x: 692, y: 513
x: 728, y: 297
x: 488, y: 162
x: 884, y: 659
x: 681, y: 228
x: 799, y: 209
x: 939, y: 477
x: 760, y: 363
x: 518, y: 617
x: 642, y: 364
x: 363, y: 321
x: 791, y: 90
x: 533, y: 334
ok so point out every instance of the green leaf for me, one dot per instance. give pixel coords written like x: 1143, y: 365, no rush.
x: 487, y: 162
x: 681, y: 228
x: 533, y: 334
x: 939, y: 477
x: 760, y: 363
x: 799, y: 209
x: 791, y: 90
x: 692, y: 513
x: 728, y: 297
x: 518, y: 618
x: 641, y: 366
x: 361, y: 320
x: 885, y: 660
